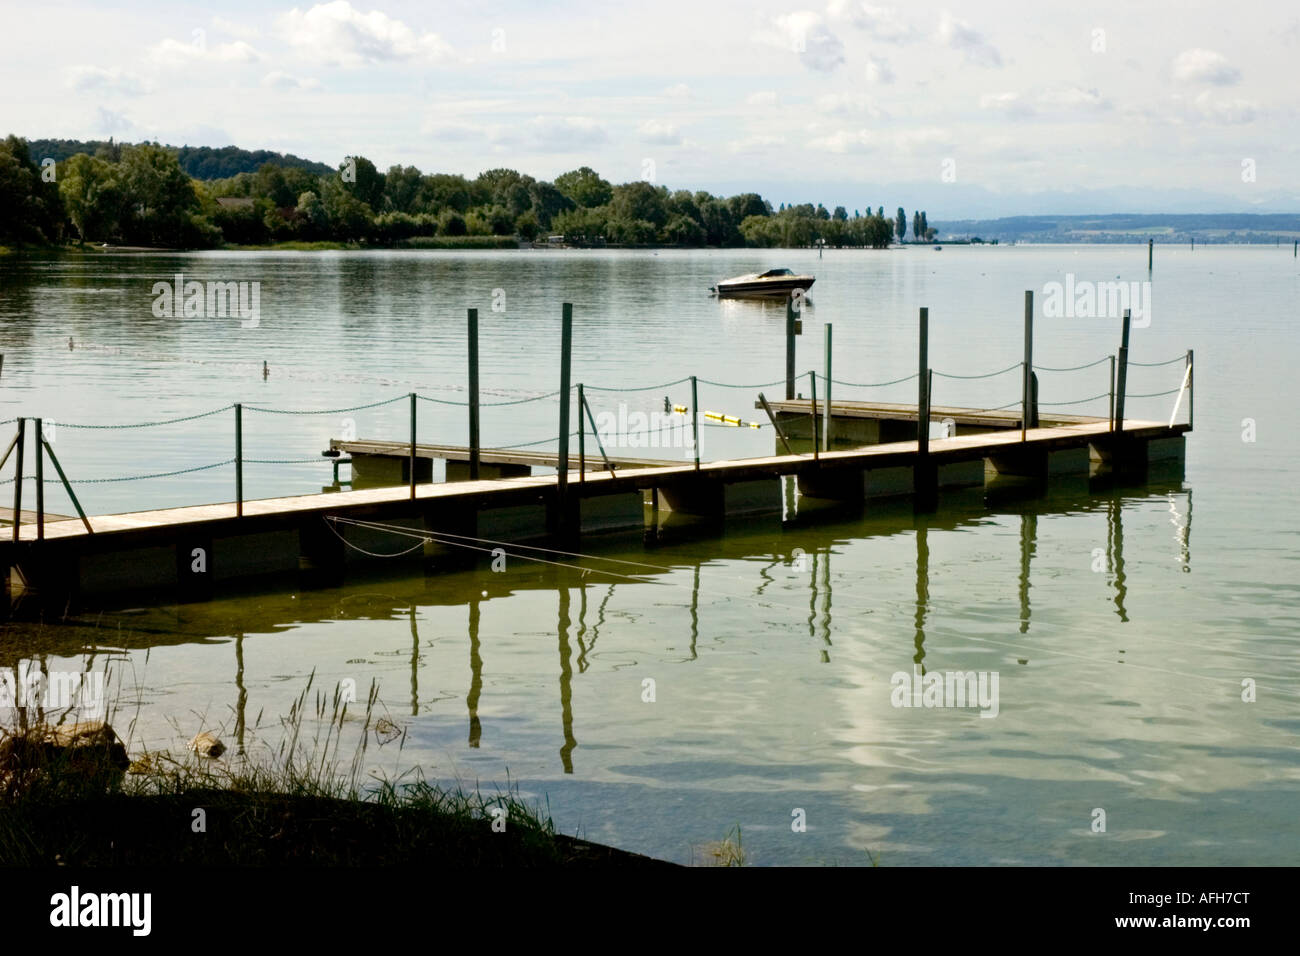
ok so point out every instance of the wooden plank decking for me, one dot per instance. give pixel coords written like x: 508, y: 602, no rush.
x: 895, y: 412
x: 488, y: 456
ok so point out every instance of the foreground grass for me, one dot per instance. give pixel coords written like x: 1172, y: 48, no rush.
x: 301, y: 806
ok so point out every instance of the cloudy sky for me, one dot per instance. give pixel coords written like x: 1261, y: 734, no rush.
x: 966, y: 108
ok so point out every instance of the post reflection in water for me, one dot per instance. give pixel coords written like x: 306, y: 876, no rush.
x: 566, y: 684
x: 415, y: 664
x: 241, y: 702
x: 1115, y: 553
x: 476, y: 673
x: 922, y: 592
x: 1028, y: 546
x: 1183, y: 531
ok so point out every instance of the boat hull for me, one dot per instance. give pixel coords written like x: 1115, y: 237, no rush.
x: 764, y: 288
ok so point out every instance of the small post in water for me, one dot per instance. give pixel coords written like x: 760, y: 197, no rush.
x: 1111, y: 412
x: 412, y: 453
x: 1151, y: 244
x: 922, y: 399
x: 1191, y: 372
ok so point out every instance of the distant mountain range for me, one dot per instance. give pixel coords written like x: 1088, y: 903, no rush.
x: 1207, y: 228
x: 201, y: 162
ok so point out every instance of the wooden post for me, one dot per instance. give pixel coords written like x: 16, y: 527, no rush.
x: 473, y: 396
x: 411, y: 463
x: 922, y: 385
x: 775, y: 427
x: 1191, y: 375
x: 1111, y: 412
x: 1026, y: 384
x: 1121, y: 376
x: 826, y: 419
x: 566, y: 355
x: 239, y: 460
x: 18, y: 476
x: 812, y: 378
x: 1295, y: 251
x: 789, y: 348
x: 695, y: 421
x: 67, y: 486
x: 1151, y: 244
x: 2, y: 363
x: 582, y: 436
x: 40, y: 484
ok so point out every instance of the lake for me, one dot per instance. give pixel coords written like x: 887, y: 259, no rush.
x: 1120, y: 624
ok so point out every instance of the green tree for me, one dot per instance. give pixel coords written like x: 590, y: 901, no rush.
x: 585, y: 187
x: 92, y: 195
x: 363, y: 181
x: 452, y: 223
x: 527, y: 227
x: 442, y: 191
x: 161, y: 198
x: 841, y: 214
x: 900, y: 224
x: 402, y: 188
x: 683, y: 230
x: 639, y: 200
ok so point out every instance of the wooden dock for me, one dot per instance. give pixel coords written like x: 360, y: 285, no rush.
x: 189, y: 549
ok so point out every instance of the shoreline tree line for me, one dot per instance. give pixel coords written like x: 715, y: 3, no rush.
x: 141, y: 195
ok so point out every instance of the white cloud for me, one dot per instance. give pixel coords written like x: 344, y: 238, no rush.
x: 337, y: 33
x: 881, y: 23
x: 112, y: 122
x: 846, y: 141
x: 804, y: 33
x: 961, y: 36
x: 1229, y: 112
x: 878, y: 72
x: 659, y: 133
x: 174, y: 53
x: 761, y: 98
x: 276, y: 80
x: 760, y: 141
x: 231, y: 28
x: 678, y: 91
x: 87, y: 78
x: 551, y: 134
x: 1205, y: 66
x: 843, y: 104
x: 1074, y: 97
x: 1012, y: 104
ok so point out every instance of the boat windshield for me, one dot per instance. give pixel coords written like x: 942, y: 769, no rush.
x: 772, y: 273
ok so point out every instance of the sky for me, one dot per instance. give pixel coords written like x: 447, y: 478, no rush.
x: 966, y: 109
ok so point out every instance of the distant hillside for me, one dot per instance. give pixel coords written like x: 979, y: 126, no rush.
x: 201, y: 162
x: 1208, y: 228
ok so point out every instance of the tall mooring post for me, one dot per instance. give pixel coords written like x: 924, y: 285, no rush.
x: 789, y: 347
x: 923, y: 472
x: 411, y: 462
x: 1029, y: 383
x: 826, y: 419
x: 1151, y: 244
x: 18, y: 475
x: 472, y: 326
x: 239, y: 460
x: 40, y: 484
x: 1121, y: 374
x: 562, y: 463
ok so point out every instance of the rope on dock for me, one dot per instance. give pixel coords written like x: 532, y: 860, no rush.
x: 1180, y: 358
x: 705, y: 381
x: 872, y: 384
x: 168, y: 421
x: 1154, y: 394
x: 987, y: 375
x: 640, y: 388
x: 321, y: 411
x: 1080, y: 401
x: 1074, y: 368
x: 101, y: 481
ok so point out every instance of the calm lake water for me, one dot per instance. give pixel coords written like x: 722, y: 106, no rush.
x: 1121, y: 624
